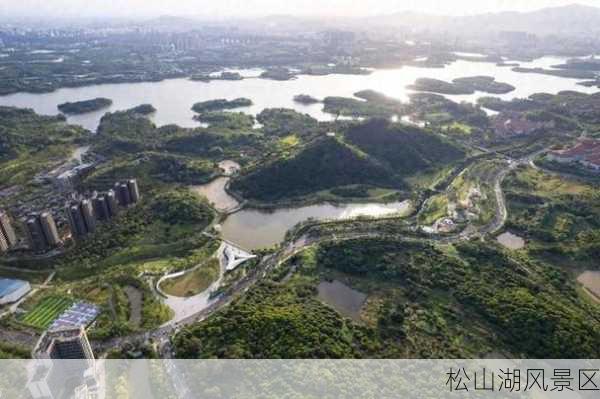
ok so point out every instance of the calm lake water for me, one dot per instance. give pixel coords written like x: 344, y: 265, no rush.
x: 342, y: 298
x: 215, y: 190
x: 254, y: 229
x: 173, y: 98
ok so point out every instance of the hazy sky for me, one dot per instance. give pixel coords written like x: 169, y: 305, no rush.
x: 225, y: 8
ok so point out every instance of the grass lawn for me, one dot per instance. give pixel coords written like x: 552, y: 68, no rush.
x: 194, y: 282
x: 289, y: 141
x: 458, y: 128
x: 544, y: 184
x: 46, y: 311
x: 436, y: 208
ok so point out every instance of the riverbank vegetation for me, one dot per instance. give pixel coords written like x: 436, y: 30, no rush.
x: 31, y: 143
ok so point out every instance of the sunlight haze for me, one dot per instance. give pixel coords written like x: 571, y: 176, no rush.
x: 253, y: 8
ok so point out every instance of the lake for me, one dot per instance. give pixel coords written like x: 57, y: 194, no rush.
x: 216, y: 194
x: 345, y: 300
x: 174, y: 98
x: 253, y: 229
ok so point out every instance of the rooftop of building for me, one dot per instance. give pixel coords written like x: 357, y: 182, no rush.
x: 8, y: 286
x: 583, y: 147
x: 64, y: 333
x: 79, y: 314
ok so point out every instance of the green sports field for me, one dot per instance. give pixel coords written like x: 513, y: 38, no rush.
x: 44, y: 313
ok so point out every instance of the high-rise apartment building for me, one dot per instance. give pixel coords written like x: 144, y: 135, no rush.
x: 134, y: 192
x: 49, y: 228
x: 112, y: 203
x: 7, y: 233
x: 37, y: 241
x: 76, y: 220
x: 87, y: 210
x: 123, y: 194
x: 101, y: 207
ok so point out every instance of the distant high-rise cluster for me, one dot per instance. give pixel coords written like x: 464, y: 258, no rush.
x: 42, y: 232
x: 8, y: 238
x: 84, y: 214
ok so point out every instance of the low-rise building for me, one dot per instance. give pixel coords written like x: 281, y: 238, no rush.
x: 69, y: 179
x: 12, y: 290
x: 509, y: 124
x: 586, y: 152
x: 66, y: 367
x: 69, y: 342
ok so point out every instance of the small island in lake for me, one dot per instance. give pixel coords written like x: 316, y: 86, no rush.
x: 323, y: 70
x: 221, y: 76
x: 487, y: 84
x: 570, y: 73
x: 278, y: 74
x: 143, y: 109
x: 306, y: 99
x: 220, y: 104
x: 459, y: 86
x: 82, y: 107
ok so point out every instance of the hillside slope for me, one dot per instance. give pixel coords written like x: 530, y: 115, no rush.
x: 325, y: 164
x: 375, y: 153
x: 405, y: 149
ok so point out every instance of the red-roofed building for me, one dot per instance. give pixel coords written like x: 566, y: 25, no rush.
x: 515, y: 124
x: 585, y: 152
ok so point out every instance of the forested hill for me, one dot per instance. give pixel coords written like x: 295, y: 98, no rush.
x: 24, y: 130
x: 30, y: 143
x: 404, y: 148
x: 325, y: 164
x: 375, y: 153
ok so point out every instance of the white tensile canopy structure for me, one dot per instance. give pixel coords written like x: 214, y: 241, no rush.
x: 231, y: 256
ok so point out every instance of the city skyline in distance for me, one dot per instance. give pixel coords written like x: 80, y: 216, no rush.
x: 260, y: 8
